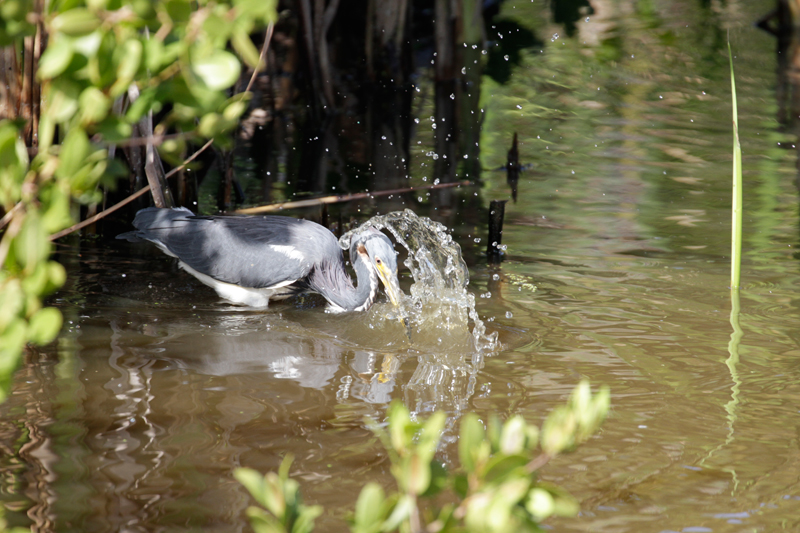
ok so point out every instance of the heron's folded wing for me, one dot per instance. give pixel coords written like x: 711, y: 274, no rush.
x: 255, y: 252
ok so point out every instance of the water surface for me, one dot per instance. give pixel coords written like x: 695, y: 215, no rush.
x: 617, y: 270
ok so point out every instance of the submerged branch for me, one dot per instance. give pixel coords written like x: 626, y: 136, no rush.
x: 336, y: 199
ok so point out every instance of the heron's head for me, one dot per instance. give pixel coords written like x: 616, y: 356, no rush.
x: 377, y: 251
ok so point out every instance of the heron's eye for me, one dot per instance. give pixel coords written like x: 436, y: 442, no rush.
x: 378, y: 260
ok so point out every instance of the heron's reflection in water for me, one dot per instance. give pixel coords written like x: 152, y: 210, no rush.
x: 362, y: 357
x: 251, y: 344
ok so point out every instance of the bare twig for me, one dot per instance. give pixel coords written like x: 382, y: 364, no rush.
x: 538, y: 462
x: 129, y: 199
x: 262, y: 57
x: 8, y: 216
x: 344, y: 198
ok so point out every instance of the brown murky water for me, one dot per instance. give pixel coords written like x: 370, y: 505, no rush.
x: 156, y: 390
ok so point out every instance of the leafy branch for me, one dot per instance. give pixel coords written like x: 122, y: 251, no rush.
x: 495, y: 488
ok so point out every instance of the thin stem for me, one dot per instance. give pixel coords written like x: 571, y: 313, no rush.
x: 127, y: 200
x: 736, y: 208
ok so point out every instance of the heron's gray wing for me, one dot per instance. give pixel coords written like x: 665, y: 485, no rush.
x: 257, y: 252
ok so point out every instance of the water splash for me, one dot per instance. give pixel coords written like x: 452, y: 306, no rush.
x: 440, y: 309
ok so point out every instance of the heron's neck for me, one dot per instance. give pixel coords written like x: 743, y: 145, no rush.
x: 345, y: 297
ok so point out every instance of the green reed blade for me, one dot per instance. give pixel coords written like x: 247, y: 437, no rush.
x: 736, y: 229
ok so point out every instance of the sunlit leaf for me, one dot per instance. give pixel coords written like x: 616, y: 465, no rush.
x: 218, y: 71
x: 31, y: 244
x: 419, y: 474
x: 55, y: 60
x: 472, y: 435
x: 73, y: 153
x: 245, y: 48
x: 513, y: 435
x: 558, y: 431
x: 13, y: 301
x: 63, y: 102
x: 305, y: 522
x: 252, y: 481
x: 500, y: 467
x: 369, y: 508
x: 44, y: 325
x: 401, y: 512
x: 128, y: 66
x: 540, y: 503
x: 94, y: 105
x: 78, y: 21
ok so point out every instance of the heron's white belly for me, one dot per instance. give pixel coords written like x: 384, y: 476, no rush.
x: 241, y: 295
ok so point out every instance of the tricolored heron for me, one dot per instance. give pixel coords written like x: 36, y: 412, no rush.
x: 250, y: 259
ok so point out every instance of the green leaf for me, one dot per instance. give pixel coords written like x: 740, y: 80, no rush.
x: 558, y: 430
x: 73, y: 153
x: 369, y: 508
x: 13, y: 299
x: 402, y: 511
x: 128, y: 66
x: 305, y: 522
x: 439, y: 479
x: 173, y: 150
x: 399, y: 424
x: 12, y: 341
x: 13, y: 164
x: 274, y: 495
x: 63, y: 103
x: 461, y: 485
x: 263, y: 522
x: 472, y: 436
x: 114, y: 129
x: 179, y: 10
x: 56, y: 276
x: 31, y: 245
x: 252, y: 481
x: 142, y: 104
x: 218, y: 71
x: 540, y: 503
x: 94, y: 105
x: 245, y: 48
x: 418, y: 474
x: 499, y: 517
x: 564, y: 504
x: 35, y: 282
x: 55, y: 202
x: 55, y: 60
x: 78, y: 21
x: 44, y: 326
x: 501, y: 467
x: 513, y: 435
x: 154, y: 54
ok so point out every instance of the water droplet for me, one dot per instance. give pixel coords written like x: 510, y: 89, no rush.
x: 477, y: 240
x: 509, y: 314
x: 505, y: 57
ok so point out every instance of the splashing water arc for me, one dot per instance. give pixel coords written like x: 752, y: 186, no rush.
x: 439, y: 294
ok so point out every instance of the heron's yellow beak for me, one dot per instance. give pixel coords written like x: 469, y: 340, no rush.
x: 390, y: 283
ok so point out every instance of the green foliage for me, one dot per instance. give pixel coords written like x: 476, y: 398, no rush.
x: 174, y: 52
x: 495, y: 488
x: 281, y: 497
x: 738, y: 184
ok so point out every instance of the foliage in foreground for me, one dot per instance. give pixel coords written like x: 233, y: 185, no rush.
x: 173, y: 53
x: 495, y: 489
